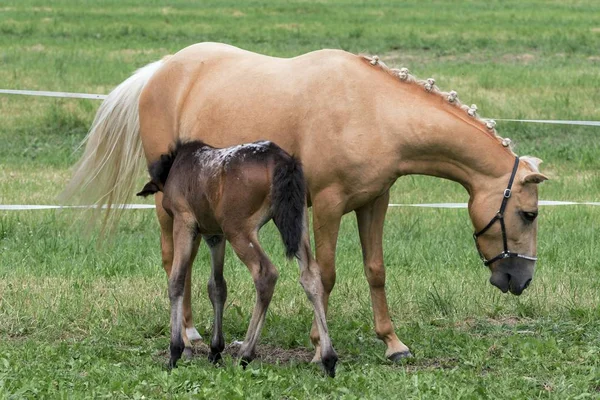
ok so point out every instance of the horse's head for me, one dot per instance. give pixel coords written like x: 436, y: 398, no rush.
x: 505, y: 220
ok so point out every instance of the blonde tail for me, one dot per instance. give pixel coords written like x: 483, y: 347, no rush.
x: 105, y: 175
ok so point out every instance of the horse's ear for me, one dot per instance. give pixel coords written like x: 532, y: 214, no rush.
x: 149, y: 188
x: 534, y: 177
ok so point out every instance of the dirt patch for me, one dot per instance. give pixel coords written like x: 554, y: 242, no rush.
x: 238, y: 13
x: 595, y: 30
x: 264, y: 353
x: 276, y: 355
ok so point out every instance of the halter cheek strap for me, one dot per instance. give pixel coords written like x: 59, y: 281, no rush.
x: 500, y: 217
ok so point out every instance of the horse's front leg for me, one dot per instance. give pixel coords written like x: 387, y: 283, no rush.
x: 328, y: 208
x: 166, y: 246
x: 310, y: 279
x: 370, y: 227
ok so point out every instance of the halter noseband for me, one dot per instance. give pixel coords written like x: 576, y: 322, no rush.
x: 500, y: 217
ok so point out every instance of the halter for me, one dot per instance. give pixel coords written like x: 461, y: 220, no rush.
x: 500, y: 217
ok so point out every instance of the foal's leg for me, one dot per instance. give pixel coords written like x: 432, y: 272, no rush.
x: 184, y: 239
x: 217, y: 291
x: 328, y: 208
x: 310, y: 279
x: 265, y: 276
x: 370, y: 228
x: 166, y: 245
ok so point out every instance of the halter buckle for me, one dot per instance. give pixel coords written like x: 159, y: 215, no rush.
x: 507, y: 193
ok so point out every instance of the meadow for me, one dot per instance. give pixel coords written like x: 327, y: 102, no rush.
x: 82, y: 321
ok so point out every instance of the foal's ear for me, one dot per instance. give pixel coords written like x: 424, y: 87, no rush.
x: 149, y: 189
x: 534, y: 177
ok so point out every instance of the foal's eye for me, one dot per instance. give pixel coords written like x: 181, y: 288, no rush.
x: 529, y: 215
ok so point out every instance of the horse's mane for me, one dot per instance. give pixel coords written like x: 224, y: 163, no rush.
x: 451, y: 98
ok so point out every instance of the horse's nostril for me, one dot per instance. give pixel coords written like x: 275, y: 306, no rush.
x: 526, y: 285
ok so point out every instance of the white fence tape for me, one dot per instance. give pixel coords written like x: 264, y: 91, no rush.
x: 552, y: 121
x: 103, y: 96
x: 19, y: 207
x: 464, y: 205
x: 55, y: 94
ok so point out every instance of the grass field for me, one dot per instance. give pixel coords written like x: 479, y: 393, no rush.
x: 77, y: 321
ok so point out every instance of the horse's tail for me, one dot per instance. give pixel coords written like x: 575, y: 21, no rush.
x: 105, y: 175
x: 289, y: 202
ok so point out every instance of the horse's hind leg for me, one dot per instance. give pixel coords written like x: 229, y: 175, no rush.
x: 265, y: 277
x: 184, y: 239
x: 217, y: 291
x: 370, y: 228
x: 310, y: 279
x: 166, y: 245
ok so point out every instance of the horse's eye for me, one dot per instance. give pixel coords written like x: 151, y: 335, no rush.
x: 529, y: 215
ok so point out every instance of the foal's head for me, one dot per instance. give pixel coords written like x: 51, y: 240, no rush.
x: 505, y: 223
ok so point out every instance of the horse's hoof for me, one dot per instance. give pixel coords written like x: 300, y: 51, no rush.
x: 399, y: 356
x: 328, y: 363
x: 172, y: 364
x: 244, y: 361
x: 214, y: 358
x: 192, y: 334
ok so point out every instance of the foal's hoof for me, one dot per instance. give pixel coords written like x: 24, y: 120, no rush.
x: 328, y: 364
x: 244, y: 361
x: 187, y: 353
x: 172, y: 364
x: 214, y: 358
x: 399, y: 356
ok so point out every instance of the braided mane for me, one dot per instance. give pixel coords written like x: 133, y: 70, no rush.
x: 451, y: 97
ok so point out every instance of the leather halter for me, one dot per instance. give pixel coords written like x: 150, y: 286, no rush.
x: 500, y: 217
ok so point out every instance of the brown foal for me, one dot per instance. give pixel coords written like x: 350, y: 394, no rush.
x: 229, y: 194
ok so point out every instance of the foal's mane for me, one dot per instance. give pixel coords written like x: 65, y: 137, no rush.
x: 488, y: 126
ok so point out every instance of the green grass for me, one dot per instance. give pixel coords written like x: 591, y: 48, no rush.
x: 78, y: 321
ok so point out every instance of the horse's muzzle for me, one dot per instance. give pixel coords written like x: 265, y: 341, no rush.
x: 513, y: 276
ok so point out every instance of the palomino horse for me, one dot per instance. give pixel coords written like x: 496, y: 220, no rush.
x: 231, y: 193
x: 355, y: 124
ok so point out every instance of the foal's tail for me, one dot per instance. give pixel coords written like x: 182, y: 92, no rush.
x: 289, y: 202
x: 113, y: 158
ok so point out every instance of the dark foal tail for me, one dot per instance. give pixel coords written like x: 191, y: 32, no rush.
x: 288, y: 202
x: 159, y: 172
